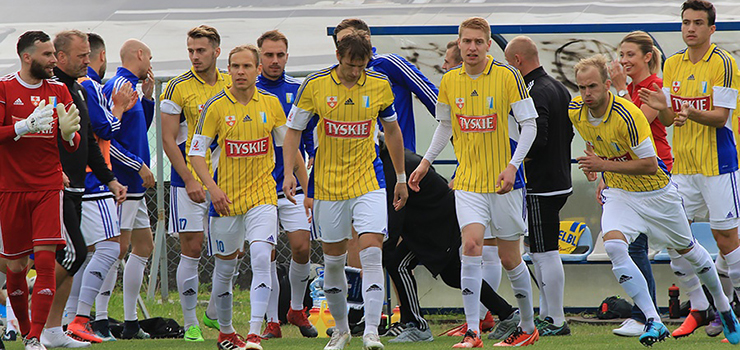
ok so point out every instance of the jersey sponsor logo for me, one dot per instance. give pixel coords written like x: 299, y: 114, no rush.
x: 35, y: 100
x: 230, y: 120
x: 251, y: 148
x: 349, y: 130
x: 701, y: 103
x: 47, y: 134
x: 460, y: 102
x: 623, y: 158
x: 18, y: 102
x: 676, y: 86
x: 486, y: 123
x: 331, y: 101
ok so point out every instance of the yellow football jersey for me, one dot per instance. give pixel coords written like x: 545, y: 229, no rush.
x: 346, y: 164
x: 244, y: 166
x: 698, y: 148
x: 190, y: 92
x: 479, y: 110
x: 623, y: 128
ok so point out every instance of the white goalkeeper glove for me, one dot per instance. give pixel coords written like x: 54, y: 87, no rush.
x: 69, y: 122
x: 40, y: 119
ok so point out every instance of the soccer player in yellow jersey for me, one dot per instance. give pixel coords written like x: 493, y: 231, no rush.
x: 348, y: 175
x: 245, y: 120
x: 473, y: 107
x: 639, y: 197
x: 699, y: 94
x: 181, y: 104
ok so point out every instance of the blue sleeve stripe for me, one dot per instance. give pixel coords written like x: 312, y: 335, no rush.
x: 119, y: 156
x: 414, y: 78
x: 727, y: 64
x: 521, y: 87
x: 201, y: 119
x: 631, y: 127
x: 115, y: 124
x: 322, y: 73
x: 173, y: 83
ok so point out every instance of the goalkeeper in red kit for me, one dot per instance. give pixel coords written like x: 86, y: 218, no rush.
x: 34, y: 112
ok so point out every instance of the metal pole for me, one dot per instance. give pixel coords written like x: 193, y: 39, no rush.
x: 159, y: 262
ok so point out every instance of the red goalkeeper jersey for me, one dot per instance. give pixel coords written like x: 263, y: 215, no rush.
x: 32, y: 162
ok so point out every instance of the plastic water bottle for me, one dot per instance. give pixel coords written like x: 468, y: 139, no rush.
x: 674, y: 305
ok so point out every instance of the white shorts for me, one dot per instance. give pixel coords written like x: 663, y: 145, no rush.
x: 333, y: 220
x: 99, y: 220
x: 293, y: 216
x: 227, y: 234
x: 186, y: 215
x: 658, y: 214
x: 504, y: 214
x: 133, y: 215
x: 716, y: 194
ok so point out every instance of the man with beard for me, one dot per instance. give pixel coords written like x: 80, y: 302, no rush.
x: 73, y: 58
x: 134, y: 173
x: 181, y: 105
x: 31, y: 181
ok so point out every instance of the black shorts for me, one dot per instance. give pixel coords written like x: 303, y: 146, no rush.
x: 74, y: 253
x: 543, y: 213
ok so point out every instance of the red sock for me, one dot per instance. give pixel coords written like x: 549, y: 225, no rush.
x: 18, y: 295
x: 43, y: 291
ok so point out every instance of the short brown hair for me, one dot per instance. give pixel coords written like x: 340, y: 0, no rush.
x: 479, y: 23
x: 64, y: 38
x: 355, y: 46
x: 597, y: 61
x: 354, y: 23
x: 701, y: 5
x: 455, y: 50
x: 205, y: 31
x: 645, y: 43
x: 272, y: 35
x: 249, y: 47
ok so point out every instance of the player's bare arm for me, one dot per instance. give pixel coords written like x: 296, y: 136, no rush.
x: 170, y: 128
x: 593, y: 163
x: 717, y: 117
x: 218, y: 197
x: 300, y: 170
x: 394, y: 141
x: 290, y: 151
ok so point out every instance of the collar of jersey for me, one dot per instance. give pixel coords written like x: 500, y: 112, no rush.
x: 230, y: 96
x: 219, y: 76
x: 584, y: 109
x: 123, y: 72
x: 265, y: 81
x: 93, y: 74
x: 486, y: 71
x: 707, y: 54
x: 335, y: 77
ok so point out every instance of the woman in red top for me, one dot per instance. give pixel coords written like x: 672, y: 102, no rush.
x: 640, y: 60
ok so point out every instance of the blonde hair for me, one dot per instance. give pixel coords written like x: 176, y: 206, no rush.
x: 646, y: 45
x: 255, y: 51
x: 597, y: 61
x: 479, y: 23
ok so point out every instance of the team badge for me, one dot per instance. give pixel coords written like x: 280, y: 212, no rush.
x: 289, y: 97
x: 489, y: 102
x: 366, y: 101
x: 200, y: 109
x: 616, y: 147
x: 53, y: 101
x: 35, y: 100
x: 230, y: 120
x: 264, y: 117
x: 460, y: 102
x: 676, y: 86
x: 704, y: 87
x: 331, y: 101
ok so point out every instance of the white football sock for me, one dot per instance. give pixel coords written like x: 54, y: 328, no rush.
x: 187, y: 287
x: 335, y: 289
x: 471, y: 276
x: 522, y: 287
x: 298, y: 276
x: 688, y: 281
x: 630, y: 277
x: 109, y: 284
x: 491, y: 272
x: 70, y: 308
x: 372, y: 287
x: 724, y: 276
x: 222, y: 288
x: 133, y: 277
x: 272, y: 304
x: 707, y: 273
x: 259, y: 295
x: 552, y: 284
x: 93, y: 276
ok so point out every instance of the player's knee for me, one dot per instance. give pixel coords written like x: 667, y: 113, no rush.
x: 471, y: 247
x: 510, y: 262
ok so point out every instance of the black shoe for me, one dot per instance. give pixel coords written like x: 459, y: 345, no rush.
x: 10, y: 336
x: 549, y: 329
x: 131, y: 330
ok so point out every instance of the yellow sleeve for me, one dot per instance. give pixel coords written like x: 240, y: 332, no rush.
x: 209, y: 121
x: 386, y: 96
x: 442, y: 96
x: 277, y: 112
x: 172, y: 93
x: 724, y: 74
x: 668, y: 73
x: 304, y: 98
x: 638, y: 128
x: 515, y: 85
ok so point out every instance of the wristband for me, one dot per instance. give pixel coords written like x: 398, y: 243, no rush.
x: 401, y: 178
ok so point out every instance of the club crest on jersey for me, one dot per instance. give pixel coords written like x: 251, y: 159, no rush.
x: 331, y: 101
x: 676, y: 86
x: 289, y: 97
x: 460, y: 102
x: 616, y: 147
x: 200, y: 109
x: 489, y: 102
x: 263, y: 117
x: 53, y: 101
x: 366, y: 101
x: 35, y: 100
x: 230, y: 120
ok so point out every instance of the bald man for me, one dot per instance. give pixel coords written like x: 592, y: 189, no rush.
x: 131, y: 167
x: 548, y: 180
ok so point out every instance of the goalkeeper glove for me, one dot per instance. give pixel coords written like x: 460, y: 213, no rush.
x: 69, y: 122
x: 39, y: 120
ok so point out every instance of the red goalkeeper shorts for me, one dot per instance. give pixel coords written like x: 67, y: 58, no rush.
x: 29, y: 219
